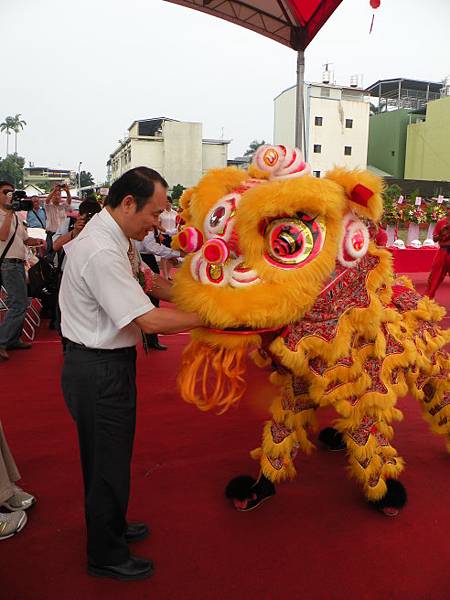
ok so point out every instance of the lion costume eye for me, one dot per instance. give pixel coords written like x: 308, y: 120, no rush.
x: 220, y: 219
x: 291, y: 242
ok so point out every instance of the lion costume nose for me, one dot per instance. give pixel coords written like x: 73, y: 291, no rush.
x: 216, y: 251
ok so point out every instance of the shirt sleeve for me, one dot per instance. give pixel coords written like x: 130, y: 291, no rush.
x: 108, y: 276
x: 61, y: 230
x: 151, y: 246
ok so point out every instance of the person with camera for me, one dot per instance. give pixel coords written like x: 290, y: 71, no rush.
x: 13, y: 241
x: 72, y: 226
x: 56, y: 211
x: 104, y: 313
x: 68, y: 231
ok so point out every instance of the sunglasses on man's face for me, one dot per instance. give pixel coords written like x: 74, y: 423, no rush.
x: 8, y: 192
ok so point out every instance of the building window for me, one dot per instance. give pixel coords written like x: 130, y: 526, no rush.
x: 317, y: 148
x: 318, y: 121
x: 349, y: 123
x: 347, y: 150
x: 325, y: 92
x: 316, y: 173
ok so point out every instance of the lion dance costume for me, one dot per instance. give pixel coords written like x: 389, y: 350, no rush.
x: 281, y: 266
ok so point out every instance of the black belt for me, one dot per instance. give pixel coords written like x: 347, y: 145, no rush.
x: 68, y: 344
x: 13, y: 260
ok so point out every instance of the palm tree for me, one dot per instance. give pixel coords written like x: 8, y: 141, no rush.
x: 18, y: 125
x: 253, y: 147
x: 8, y: 126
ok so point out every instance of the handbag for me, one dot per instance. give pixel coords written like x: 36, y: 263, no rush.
x: 7, y: 247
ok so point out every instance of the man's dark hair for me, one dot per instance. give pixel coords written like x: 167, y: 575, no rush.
x: 139, y: 183
x: 89, y: 207
x: 3, y: 183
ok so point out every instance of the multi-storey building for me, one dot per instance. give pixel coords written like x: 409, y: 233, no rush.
x: 336, y: 125
x: 45, y: 176
x: 175, y: 149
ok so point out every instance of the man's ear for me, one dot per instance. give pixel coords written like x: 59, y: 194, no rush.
x: 363, y: 190
x: 128, y: 203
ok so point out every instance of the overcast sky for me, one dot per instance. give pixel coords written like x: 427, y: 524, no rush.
x: 80, y: 72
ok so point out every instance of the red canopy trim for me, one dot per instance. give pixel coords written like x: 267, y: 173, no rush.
x: 293, y: 23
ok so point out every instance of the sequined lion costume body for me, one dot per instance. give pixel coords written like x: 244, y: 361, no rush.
x: 281, y: 266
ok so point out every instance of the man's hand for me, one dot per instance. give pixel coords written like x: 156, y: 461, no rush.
x: 79, y: 224
x: 35, y: 242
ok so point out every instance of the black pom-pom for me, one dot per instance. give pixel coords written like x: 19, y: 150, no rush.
x: 395, y: 497
x: 240, y: 488
x: 332, y: 439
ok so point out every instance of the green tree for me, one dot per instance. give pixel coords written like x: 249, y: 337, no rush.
x: 11, y: 169
x: 253, y: 147
x: 18, y: 125
x: 177, y: 192
x: 86, y: 179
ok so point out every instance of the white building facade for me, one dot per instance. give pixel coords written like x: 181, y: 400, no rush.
x: 175, y: 149
x: 336, y: 124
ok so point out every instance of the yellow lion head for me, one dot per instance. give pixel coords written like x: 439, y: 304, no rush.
x: 262, y: 243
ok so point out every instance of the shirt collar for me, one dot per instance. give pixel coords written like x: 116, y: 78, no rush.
x: 111, y: 224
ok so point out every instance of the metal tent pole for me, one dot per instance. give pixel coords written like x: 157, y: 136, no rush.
x: 300, y: 103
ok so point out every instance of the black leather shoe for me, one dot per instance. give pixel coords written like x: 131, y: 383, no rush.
x: 132, y: 569
x: 158, y: 346
x: 136, y: 532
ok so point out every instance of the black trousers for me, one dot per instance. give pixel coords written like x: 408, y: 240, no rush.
x: 100, y: 391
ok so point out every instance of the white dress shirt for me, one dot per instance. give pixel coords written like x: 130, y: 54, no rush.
x: 149, y: 245
x: 99, y: 297
x: 56, y: 214
x: 168, y: 219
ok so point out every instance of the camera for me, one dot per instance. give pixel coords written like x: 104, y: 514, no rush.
x: 19, y: 201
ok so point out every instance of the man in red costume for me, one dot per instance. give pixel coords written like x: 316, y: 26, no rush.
x: 441, y: 264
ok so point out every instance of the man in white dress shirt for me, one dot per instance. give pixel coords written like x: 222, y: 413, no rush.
x: 56, y: 211
x: 169, y: 228
x: 104, y: 313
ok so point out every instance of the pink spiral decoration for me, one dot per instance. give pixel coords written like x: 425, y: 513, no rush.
x: 281, y: 162
x: 190, y: 239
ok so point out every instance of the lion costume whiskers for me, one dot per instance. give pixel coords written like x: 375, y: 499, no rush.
x: 281, y: 265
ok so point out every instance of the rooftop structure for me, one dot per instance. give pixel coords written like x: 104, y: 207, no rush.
x: 410, y: 94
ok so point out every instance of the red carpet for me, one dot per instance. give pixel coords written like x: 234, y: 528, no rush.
x: 317, y: 540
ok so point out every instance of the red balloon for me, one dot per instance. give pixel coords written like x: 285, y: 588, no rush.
x: 375, y: 3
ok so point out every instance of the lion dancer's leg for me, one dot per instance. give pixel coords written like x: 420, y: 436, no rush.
x: 283, y: 436
x: 373, y: 461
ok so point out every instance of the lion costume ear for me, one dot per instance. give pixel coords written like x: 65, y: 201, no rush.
x: 363, y: 190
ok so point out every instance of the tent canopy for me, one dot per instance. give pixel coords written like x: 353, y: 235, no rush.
x: 293, y: 23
